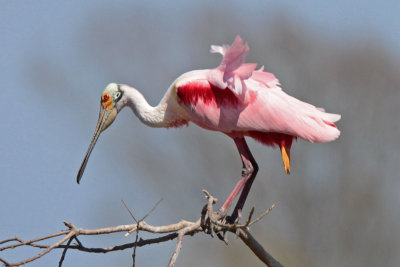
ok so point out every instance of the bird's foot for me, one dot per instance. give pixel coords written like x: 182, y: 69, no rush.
x: 218, y: 223
x: 230, y: 222
x: 213, y: 221
x: 234, y: 218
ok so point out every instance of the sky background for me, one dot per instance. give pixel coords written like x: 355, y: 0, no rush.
x: 340, y: 205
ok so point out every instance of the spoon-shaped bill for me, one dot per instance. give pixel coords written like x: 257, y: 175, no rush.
x: 106, y: 117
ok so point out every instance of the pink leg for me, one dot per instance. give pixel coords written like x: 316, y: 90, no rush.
x: 249, y: 172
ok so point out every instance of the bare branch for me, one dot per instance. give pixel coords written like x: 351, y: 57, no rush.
x: 178, y: 247
x: 24, y: 243
x: 47, y: 250
x: 137, y: 234
x: 9, y: 240
x: 261, y: 216
x: 65, y: 252
x: 130, y: 212
x: 209, y: 222
x: 137, y: 231
x: 152, y: 209
x: 257, y: 249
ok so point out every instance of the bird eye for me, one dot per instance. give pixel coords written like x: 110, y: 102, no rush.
x: 117, y: 95
x: 105, y: 97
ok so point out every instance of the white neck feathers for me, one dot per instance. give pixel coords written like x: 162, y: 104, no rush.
x: 158, y: 116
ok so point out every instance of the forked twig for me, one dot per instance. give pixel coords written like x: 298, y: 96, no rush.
x: 208, y: 222
x: 65, y: 252
x: 137, y: 230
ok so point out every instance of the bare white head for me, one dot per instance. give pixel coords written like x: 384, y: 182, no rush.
x: 112, y: 101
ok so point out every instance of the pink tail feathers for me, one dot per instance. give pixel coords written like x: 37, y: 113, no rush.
x: 324, y: 129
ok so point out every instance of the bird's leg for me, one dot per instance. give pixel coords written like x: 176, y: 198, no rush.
x: 249, y: 172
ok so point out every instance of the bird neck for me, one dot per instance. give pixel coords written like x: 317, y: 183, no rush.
x: 151, y: 116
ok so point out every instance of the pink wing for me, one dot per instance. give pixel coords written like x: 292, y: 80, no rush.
x: 236, y: 99
x: 268, y: 110
x: 232, y: 71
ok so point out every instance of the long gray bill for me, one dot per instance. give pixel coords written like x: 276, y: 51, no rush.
x: 100, y: 124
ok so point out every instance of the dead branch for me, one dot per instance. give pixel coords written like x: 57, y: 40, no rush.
x: 209, y: 222
x: 137, y: 231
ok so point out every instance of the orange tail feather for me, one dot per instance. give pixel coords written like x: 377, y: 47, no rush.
x: 286, y: 157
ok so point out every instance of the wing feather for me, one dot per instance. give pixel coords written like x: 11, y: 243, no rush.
x: 269, y: 110
x: 236, y: 99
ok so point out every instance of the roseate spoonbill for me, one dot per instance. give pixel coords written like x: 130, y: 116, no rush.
x: 235, y: 99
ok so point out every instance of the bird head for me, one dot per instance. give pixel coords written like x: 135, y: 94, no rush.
x: 111, y: 103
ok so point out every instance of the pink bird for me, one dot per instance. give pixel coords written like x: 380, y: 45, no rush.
x: 235, y: 99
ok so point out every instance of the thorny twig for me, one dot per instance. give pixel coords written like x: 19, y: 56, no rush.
x: 209, y: 222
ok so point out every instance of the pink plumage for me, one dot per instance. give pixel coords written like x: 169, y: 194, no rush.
x: 233, y: 98
x: 239, y: 100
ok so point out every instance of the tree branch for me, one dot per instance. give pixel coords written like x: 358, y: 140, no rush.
x: 257, y: 249
x: 209, y: 222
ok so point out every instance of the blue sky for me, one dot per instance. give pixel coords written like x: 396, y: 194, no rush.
x: 44, y: 133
